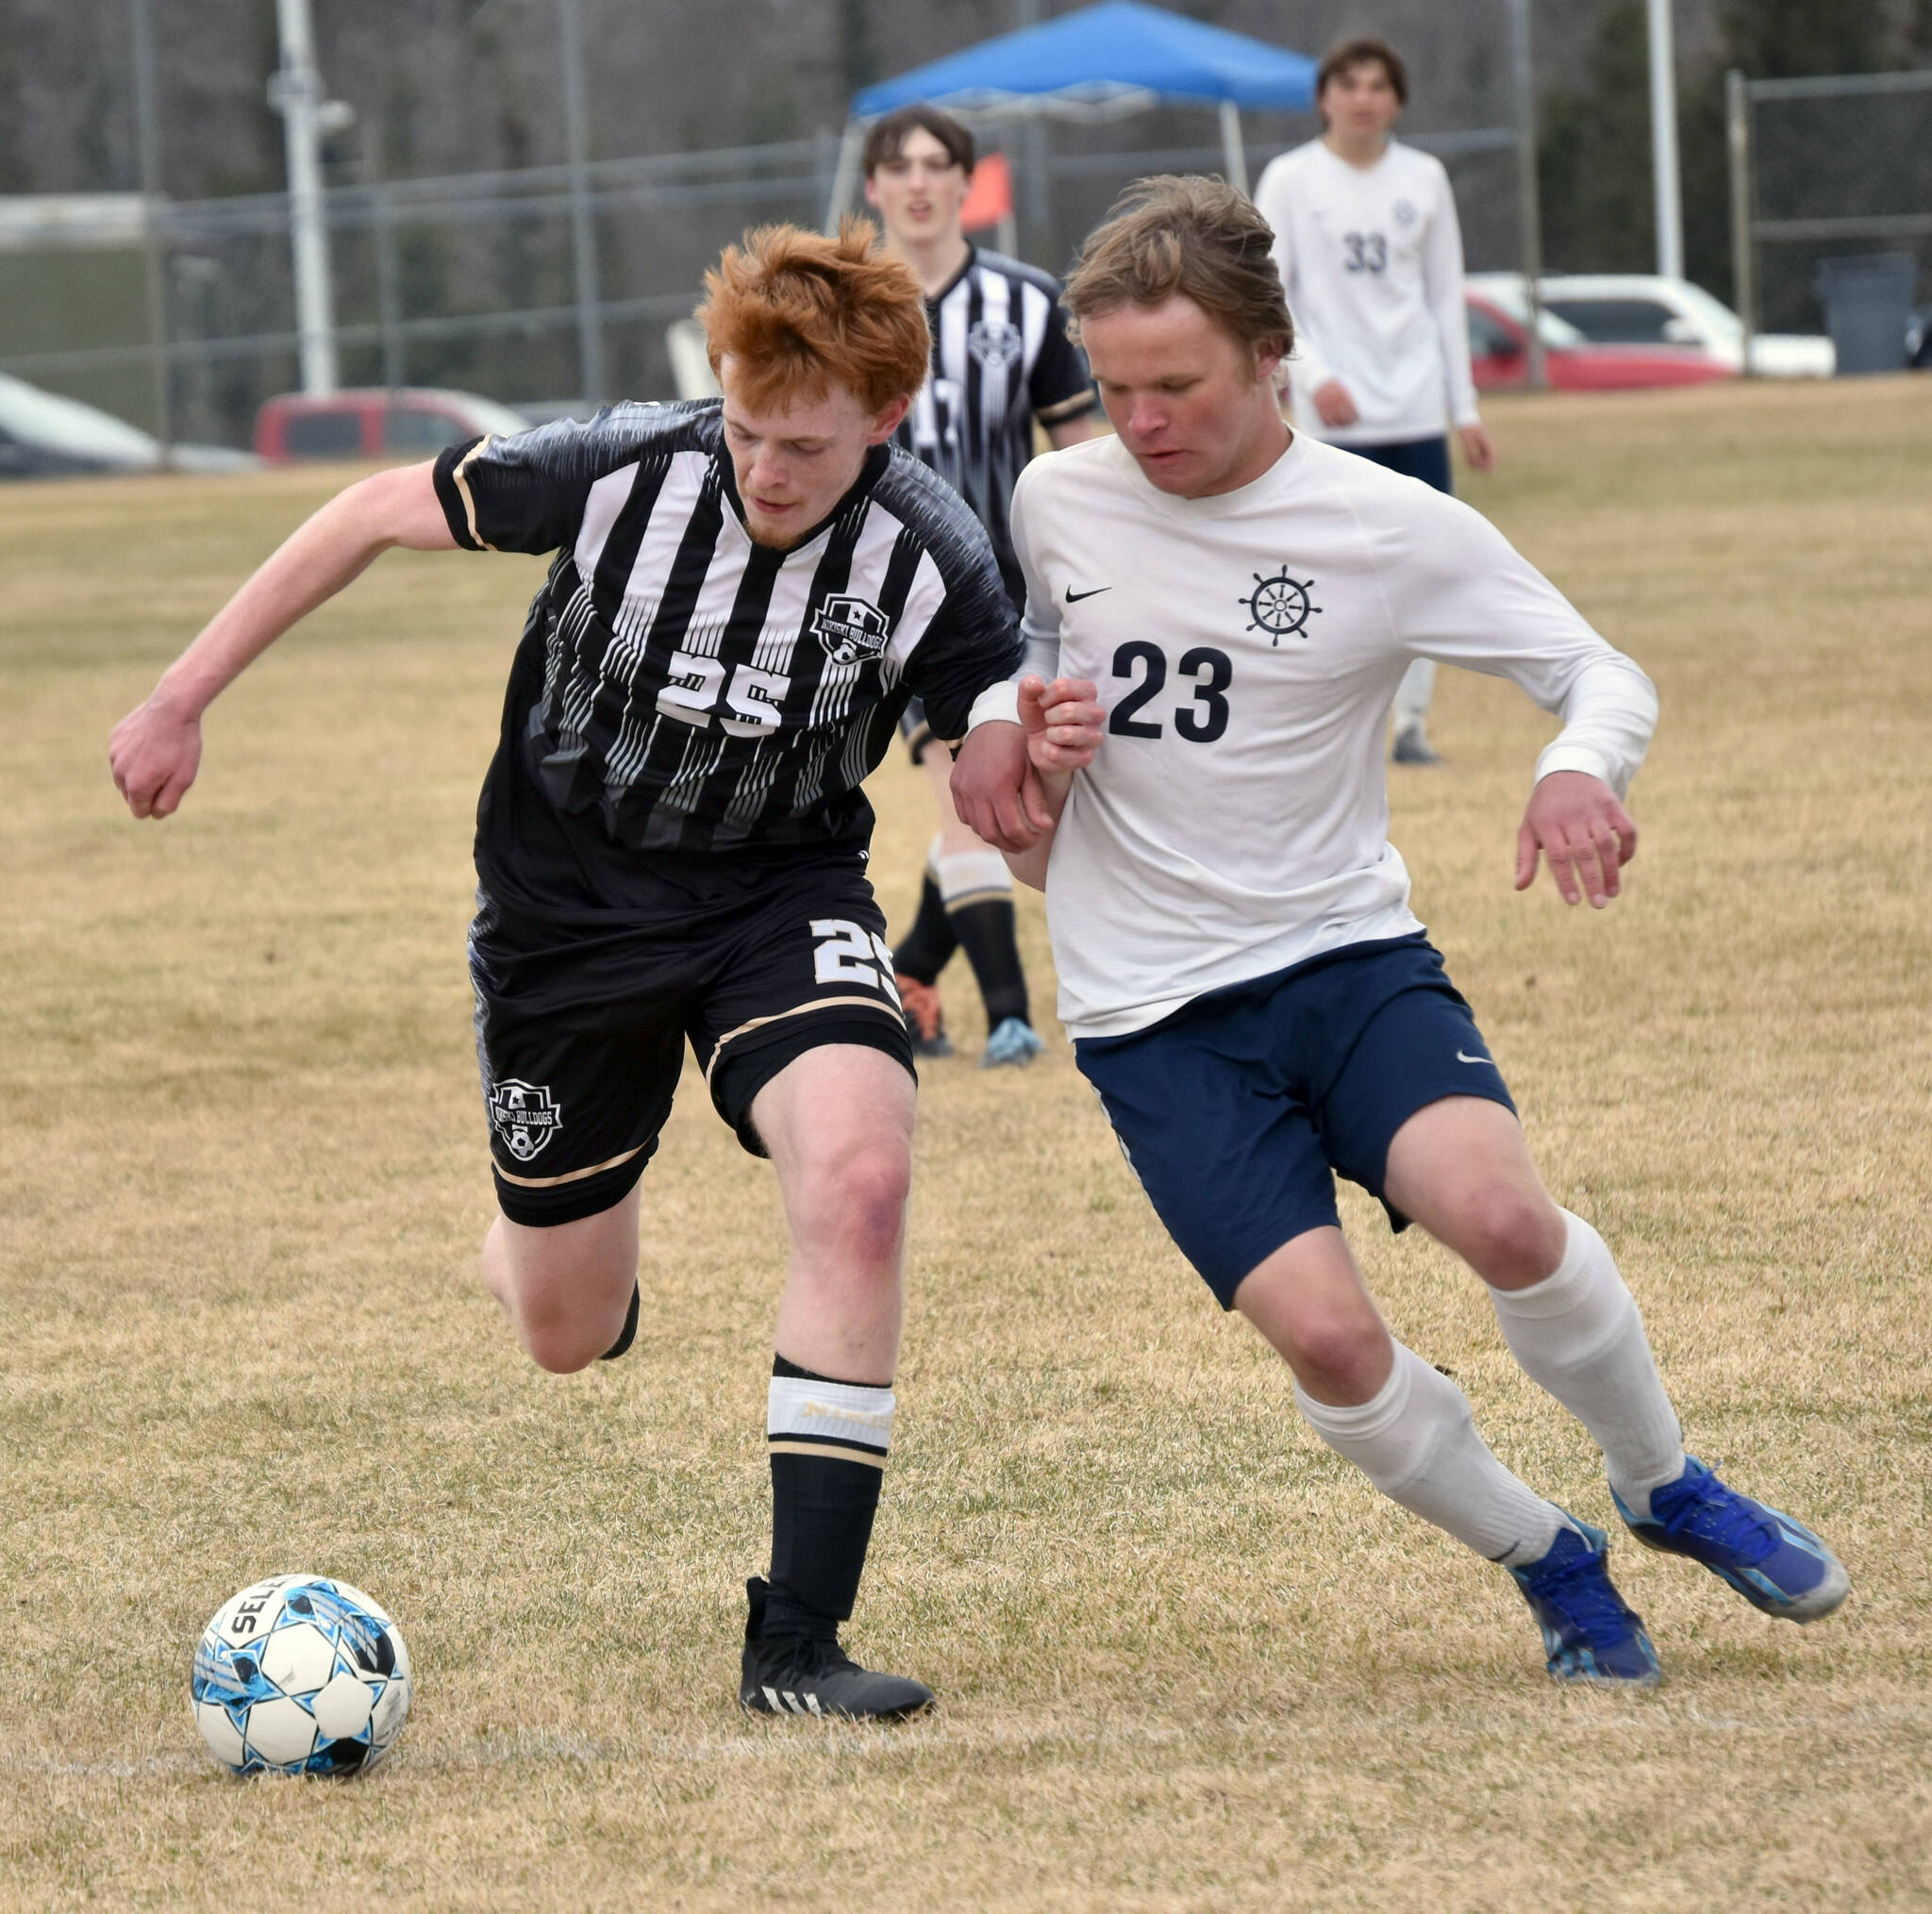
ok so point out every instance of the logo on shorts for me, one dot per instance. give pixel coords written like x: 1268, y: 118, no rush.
x: 1280, y: 606
x: 526, y: 1115
x: 994, y: 342
x: 851, y: 630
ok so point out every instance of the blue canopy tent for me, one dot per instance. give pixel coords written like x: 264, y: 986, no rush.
x: 1118, y: 56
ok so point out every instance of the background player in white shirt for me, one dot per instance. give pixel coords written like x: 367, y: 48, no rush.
x: 1246, y: 986
x: 1371, y: 257
x: 1001, y: 360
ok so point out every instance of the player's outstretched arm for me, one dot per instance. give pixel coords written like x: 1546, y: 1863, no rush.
x: 156, y: 749
x: 1576, y: 820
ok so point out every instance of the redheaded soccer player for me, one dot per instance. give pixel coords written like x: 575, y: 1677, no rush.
x: 670, y: 846
x: 1245, y: 985
x: 1371, y: 257
x: 1001, y: 360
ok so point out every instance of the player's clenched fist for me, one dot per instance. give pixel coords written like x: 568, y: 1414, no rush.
x: 154, y: 753
x: 1063, y: 722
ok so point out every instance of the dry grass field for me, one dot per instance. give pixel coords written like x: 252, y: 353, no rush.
x: 1186, y: 1659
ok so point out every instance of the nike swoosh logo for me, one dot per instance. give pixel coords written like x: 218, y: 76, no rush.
x: 1461, y: 1058
x: 1075, y: 597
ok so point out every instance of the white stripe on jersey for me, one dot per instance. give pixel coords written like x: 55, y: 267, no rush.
x: 684, y: 484
x: 683, y: 487
x: 606, y: 499
x: 923, y: 603
x: 638, y: 728
x: 871, y: 557
x: 775, y: 652
x: 1034, y: 310
x: 995, y: 376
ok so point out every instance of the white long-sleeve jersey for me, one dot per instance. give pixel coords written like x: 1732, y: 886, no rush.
x: 1371, y: 258
x: 1235, y: 818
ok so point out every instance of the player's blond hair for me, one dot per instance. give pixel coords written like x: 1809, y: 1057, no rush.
x: 799, y: 311
x: 1189, y: 235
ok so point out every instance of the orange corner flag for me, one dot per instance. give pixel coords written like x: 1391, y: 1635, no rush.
x: 990, y: 197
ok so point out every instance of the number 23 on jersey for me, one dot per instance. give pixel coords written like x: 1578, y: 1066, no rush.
x: 1200, y: 715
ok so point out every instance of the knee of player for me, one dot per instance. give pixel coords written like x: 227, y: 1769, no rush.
x: 568, y: 1329
x: 1513, y: 1234
x: 859, y: 1195
x: 1340, y: 1344
x: 562, y: 1343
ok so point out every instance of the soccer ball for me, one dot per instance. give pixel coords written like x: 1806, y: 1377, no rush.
x: 300, y: 1675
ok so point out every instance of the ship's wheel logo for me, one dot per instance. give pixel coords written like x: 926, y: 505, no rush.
x: 1280, y: 606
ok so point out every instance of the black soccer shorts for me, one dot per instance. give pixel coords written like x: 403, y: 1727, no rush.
x: 915, y: 730
x: 580, y: 1027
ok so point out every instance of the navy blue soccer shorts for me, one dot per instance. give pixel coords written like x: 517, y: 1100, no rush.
x: 1237, y: 1111
x: 1425, y: 458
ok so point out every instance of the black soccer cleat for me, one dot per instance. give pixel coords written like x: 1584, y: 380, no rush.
x: 805, y: 1675
x: 1413, y: 746
x: 628, y: 1334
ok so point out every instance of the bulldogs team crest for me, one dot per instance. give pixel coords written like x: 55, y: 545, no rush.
x: 851, y: 630
x: 525, y: 1115
x: 994, y: 342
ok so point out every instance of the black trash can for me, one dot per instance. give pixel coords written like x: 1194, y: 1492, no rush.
x: 1868, y: 308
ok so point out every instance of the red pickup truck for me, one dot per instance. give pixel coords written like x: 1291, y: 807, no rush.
x: 376, y: 421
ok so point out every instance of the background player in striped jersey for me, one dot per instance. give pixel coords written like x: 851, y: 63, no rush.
x: 1001, y: 360
x: 671, y: 845
x: 1371, y: 257
x: 1247, y: 989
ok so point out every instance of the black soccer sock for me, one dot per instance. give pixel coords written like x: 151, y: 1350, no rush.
x: 928, y: 946
x: 628, y: 1334
x: 977, y: 890
x: 828, y: 1443
x: 985, y: 933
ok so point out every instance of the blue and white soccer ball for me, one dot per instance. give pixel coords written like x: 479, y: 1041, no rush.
x: 300, y: 1675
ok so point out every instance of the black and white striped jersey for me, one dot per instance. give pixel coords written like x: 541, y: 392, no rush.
x: 680, y: 687
x: 1001, y: 358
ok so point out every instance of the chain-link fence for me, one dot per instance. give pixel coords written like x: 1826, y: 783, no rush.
x: 1822, y: 169
x: 472, y: 281
x: 468, y: 281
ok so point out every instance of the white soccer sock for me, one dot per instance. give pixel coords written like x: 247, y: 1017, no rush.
x: 969, y: 876
x: 1581, y: 1335
x: 1417, y: 1442
x: 1413, y: 694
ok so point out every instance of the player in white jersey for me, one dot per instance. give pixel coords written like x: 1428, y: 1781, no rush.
x: 1245, y: 985
x: 1001, y: 360
x: 1371, y: 257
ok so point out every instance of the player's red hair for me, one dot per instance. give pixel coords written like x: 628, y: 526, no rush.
x: 799, y: 311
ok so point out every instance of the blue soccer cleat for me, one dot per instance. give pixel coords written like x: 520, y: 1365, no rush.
x: 1776, y: 1564
x: 1589, y: 1633
x: 1015, y: 1041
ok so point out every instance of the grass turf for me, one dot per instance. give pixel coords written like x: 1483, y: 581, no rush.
x: 1187, y: 1658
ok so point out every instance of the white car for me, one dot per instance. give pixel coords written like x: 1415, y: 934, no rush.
x: 45, y: 435
x: 1642, y: 309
